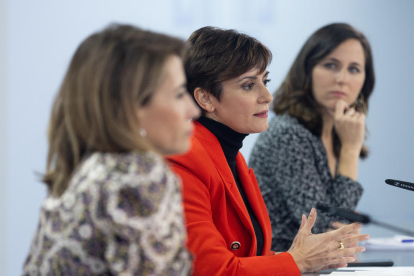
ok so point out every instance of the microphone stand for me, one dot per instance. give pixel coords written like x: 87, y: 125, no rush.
x: 392, y: 227
x: 355, y: 217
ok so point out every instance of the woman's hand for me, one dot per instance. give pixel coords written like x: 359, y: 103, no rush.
x: 350, y: 126
x: 336, y: 225
x: 317, y: 252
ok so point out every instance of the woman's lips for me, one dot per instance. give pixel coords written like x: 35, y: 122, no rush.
x: 338, y: 94
x: 262, y: 114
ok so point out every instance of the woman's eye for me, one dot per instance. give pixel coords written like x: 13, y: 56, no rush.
x: 330, y: 65
x: 265, y: 82
x: 249, y: 86
x: 354, y: 70
x: 180, y: 95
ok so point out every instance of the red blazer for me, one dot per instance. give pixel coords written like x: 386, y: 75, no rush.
x: 216, y: 216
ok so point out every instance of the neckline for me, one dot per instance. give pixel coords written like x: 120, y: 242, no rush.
x: 230, y: 141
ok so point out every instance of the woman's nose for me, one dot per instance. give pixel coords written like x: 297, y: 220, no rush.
x: 265, y: 97
x: 342, y: 76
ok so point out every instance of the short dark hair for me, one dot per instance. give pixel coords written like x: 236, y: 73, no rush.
x: 294, y: 96
x: 215, y: 55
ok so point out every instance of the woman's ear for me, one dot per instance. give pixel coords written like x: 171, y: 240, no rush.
x: 203, y: 98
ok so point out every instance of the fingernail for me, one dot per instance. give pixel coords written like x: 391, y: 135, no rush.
x: 352, y: 260
x: 362, y: 249
x: 367, y: 237
x: 312, y: 211
x: 359, y: 224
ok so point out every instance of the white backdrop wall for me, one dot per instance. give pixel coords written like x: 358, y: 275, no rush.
x: 3, y: 162
x: 41, y: 36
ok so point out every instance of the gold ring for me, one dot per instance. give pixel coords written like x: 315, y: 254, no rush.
x: 341, y: 245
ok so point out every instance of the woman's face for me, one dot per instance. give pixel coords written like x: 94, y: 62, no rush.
x: 167, y: 117
x: 244, y: 103
x: 340, y: 75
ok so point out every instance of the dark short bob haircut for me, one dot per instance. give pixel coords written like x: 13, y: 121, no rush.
x: 215, y: 55
x: 295, y: 98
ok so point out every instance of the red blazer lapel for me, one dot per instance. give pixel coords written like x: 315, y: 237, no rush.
x: 249, y: 183
x: 216, y: 154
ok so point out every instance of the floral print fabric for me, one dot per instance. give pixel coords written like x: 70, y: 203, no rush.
x: 120, y: 215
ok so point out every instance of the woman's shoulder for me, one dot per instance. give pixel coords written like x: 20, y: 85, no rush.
x: 113, y: 172
x: 285, y: 127
x: 122, y: 164
x: 103, y: 174
x: 196, y: 161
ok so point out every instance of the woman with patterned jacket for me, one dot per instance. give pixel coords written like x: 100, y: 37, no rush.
x: 310, y: 152
x: 114, y: 207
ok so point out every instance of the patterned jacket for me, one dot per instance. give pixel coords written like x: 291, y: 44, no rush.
x: 121, y: 214
x: 291, y: 167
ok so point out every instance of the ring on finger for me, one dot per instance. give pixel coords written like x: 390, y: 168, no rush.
x: 341, y: 245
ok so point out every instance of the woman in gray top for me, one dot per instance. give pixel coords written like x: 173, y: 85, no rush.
x: 310, y: 152
x: 114, y: 207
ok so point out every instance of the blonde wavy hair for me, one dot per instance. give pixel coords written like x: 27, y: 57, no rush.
x: 112, y: 74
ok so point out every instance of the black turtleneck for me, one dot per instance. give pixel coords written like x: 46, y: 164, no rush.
x: 231, y: 142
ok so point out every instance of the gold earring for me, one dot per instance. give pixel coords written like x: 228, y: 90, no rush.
x: 361, y: 105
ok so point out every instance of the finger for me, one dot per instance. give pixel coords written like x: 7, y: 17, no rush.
x: 341, y: 260
x: 348, y: 242
x: 310, y: 221
x: 346, y: 252
x: 345, y: 230
x: 352, y: 245
x: 357, y: 116
x: 344, y: 238
x: 302, y: 222
x: 350, y: 112
x: 340, y: 107
x: 337, y: 224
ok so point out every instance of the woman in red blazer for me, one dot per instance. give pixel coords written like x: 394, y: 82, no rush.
x: 228, y: 225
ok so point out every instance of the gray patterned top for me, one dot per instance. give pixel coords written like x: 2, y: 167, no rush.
x: 292, y: 170
x: 121, y: 215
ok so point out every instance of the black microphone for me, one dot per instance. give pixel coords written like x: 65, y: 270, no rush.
x: 400, y: 184
x: 349, y: 215
x: 354, y: 217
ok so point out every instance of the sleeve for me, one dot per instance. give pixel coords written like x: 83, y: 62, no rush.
x: 291, y: 183
x: 208, y: 245
x: 144, y: 221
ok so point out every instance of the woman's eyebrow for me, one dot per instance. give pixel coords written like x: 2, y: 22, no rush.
x: 247, y: 77
x: 333, y: 59
x: 356, y: 63
x: 252, y: 77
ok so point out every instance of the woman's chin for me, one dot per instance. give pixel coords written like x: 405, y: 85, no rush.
x: 260, y: 129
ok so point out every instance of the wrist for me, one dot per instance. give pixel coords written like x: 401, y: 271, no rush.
x: 350, y: 150
x: 299, y: 259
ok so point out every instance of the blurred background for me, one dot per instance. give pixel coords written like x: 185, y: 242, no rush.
x: 38, y: 39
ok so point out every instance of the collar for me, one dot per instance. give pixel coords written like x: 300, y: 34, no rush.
x: 230, y: 141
